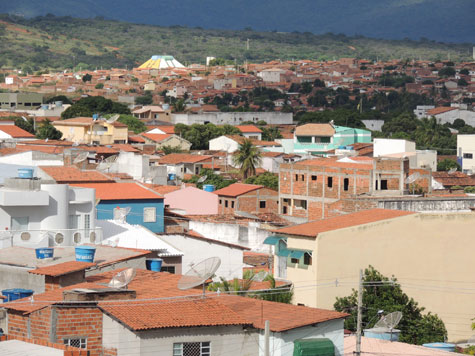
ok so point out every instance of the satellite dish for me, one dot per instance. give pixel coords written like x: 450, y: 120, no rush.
x: 259, y: 277
x: 202, y: 179
x: 452, y: 170
x: 106, y: 164
x: 122, y: 213
x: 113, y: 119
x: 199, y: 273
x: 389, y: 321
x: 412, y: 178
x: 122, y: 279
x: 81, y: 157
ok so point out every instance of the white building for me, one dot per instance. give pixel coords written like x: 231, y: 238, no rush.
x: 233, y: 118
x: 466, y: 153
x: 272, y: 75
x: 46, y: 215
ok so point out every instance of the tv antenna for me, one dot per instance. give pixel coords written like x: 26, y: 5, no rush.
x: 259, y: 277
x: 389, y: 321
x: 199, y: 273
x: 122, y: 279
x: 202, y: 179
x: 113, y: 119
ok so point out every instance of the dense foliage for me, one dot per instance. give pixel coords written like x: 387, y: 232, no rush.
x: 48, y: 131
x: 135, y: 125
x: 88, y: 106
x: 266, y: 179
x: 199, y: 135
x: 211, y: 178
x: 416, y: 327
x: 248, y: 157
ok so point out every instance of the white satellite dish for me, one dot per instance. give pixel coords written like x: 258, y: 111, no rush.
x: 106, y: 164
x: 113, y: 119
x: 122, y: 279
x: 389, y: 321
x: 122, y: 213
x: 199, y: 273
x: 81, y: 157
x: 452, y: 170
x: 202, y: 179
x: 259, y: 277
x: 412, y: 178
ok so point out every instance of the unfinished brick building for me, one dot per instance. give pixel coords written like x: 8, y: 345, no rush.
x: 249, y: 198
x: 319, y: 188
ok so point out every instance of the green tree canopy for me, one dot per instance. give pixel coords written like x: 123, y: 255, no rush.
x: 94, y: 105
x: 247, y: 158
x: 416, y: 327
x: 48, y: 131
x: 25, y: 125
x: 86, y: 77
x: 199, y: 135
x: 62, y: 98
x: 266, y: 179
x: 211, y: 178
x: 144, y: 100
x: 447, y: 164
x: 132, y: 123
x: 447, y: 72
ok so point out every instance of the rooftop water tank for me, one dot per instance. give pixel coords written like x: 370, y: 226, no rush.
x: 58, y: 104
x: 44, y: 252
x: 16, y: 293
x: 165, y: 106
x: 25, y: 173
x: 209, y: 188
x: 154, y: 264
x: 383, y: 334
x: 85, y: 253
x: 440, y: 346
x: 171, y: 176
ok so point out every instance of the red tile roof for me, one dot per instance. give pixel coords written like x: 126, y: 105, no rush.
x: 62, y: 268
x: 259, y: 143
x: 313, y: 228
x: 119, y: 191
x: 281, y: 316
x: 439, y: 110
x: 237, y: 189
x: 167, y: 129
x: 249, y: 129
x: 72, y: 174
x: 175, y: 158
x: 156, y: 137
x: 162, y: 189
x: 76, y: 121
x: 15, y: 131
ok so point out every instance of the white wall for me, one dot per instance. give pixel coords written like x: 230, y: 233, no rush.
x: 196, y: 250
x: 466, y: 145
x: 233, y: 118
x: 225, y: 340
x: 32, y: 158
x: 385, y: 146
x: 251, y: 235
x: 223, y: 143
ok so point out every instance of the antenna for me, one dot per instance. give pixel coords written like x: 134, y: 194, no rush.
x: 122, y: 279
x: 122, y: 213
x: 113, y: 119
x: 202, y: 179
x: 389, y: 321
x: 259, y: 277
x: 412, y: 178
x: 452, y: 170
x: 199, y: 273
x: 106, y: 164
x: 81, y: 157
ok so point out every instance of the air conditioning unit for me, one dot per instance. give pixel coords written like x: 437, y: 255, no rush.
x: 59, y: 238
x: 77, y: 237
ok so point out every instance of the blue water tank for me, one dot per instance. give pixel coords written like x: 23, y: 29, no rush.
x: 171, y: 176
x: 16, y: 293
x: 44, y: 252
x: 209, y: 188
x: 154, y: 264
x: 95, y: 116
x: 383, y: 334
x: 440, y: 346
x: 85, y: 253
x: 25, y: 173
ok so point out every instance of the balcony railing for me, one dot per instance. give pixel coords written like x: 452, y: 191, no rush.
x: 50, y: 237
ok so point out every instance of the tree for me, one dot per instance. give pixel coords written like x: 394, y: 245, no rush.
x: 99, y: 86
x: 86, y: 77
x: 447, y: 72
x: 94, y: 105
x: 447, y: 164
x: 211, y: 178
x: 179, y: 105
x: 247, y: 158
x: 270, y: 133
x: 406, y: 123
x: 462, y: 82
x: 25, y: 125
x: 464, y: 71
x: 48, y: 131
x: 416, y: 327
x: 64, y: 99
x: 144, y: 100
x: 132, y: 123
x: 266, y: 179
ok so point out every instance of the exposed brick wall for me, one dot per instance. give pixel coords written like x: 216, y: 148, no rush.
x: 40, y: 324
x: 17, y: 324
x: 68, y: 350
x: 51, y: 283
x: 250, y: 202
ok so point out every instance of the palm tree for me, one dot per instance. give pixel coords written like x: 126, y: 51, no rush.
x: 247, y: 158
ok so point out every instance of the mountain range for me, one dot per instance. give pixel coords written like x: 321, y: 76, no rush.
x: 440, y: 20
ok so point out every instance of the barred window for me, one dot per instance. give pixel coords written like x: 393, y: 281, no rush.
x: 81, y: 343
x: 192, y: 349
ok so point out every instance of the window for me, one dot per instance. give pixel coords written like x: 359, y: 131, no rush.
x: 303, y: 177
x: 192, y: 349
x: 330, y: 182
x: 346, y: 183
x: 294, y: 260
x: 150, y: 214
x: 302, y: 204
x: 262, y: 204
x: 225, y: 203
x: 220, y: 202
x: 20, y: 224
x: 314, y: 178
x: 468, y: 155
x: 296, y: 177
x: 384, y: 184
x: 169, y: 269
x: 232, y: 204
x: 81, y: 343
x: 307, y: 259
x: 73, y: 221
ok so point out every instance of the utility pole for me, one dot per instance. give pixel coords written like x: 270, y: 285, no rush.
x: 360, y: 310
x: 247, y: 44
x: 266, y: 338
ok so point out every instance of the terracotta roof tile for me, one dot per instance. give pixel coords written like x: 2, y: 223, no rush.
x: 240, y: 140
x: 118, y: 191
x: 313, y: 228
x: 162, y: 189
x: 237, y: 189
x: 439, y: 110
x: 315, y: 130
x: 249, y: 129
x: 175, y: 158
x: 156, y: 137
x: 72, y: 174
x: 15, y: 131
x: 81, y: 121
x: 62, y: 268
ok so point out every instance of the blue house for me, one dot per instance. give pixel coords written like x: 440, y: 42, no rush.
x: 131, y: 202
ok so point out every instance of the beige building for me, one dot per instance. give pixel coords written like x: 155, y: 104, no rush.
x: 466, y: 153
x: 167, y: 140
x: 86, y: 130
x: 430, y: 254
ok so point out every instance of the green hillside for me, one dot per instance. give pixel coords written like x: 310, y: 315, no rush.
x: 64, y: 42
